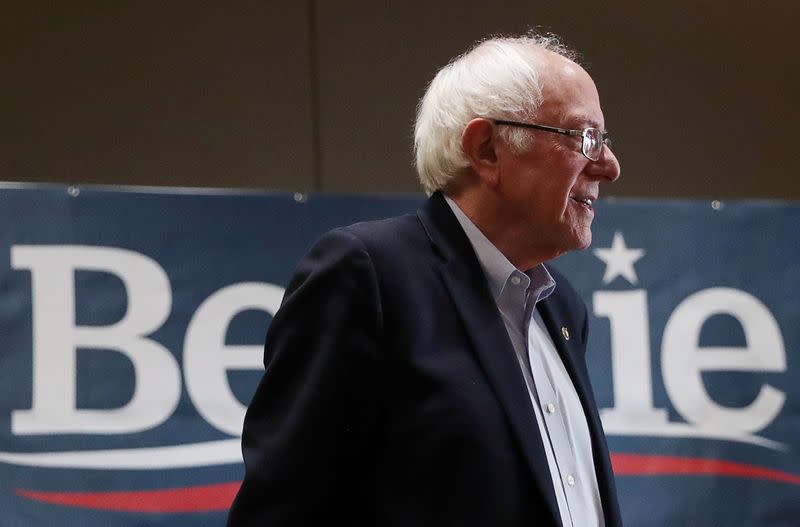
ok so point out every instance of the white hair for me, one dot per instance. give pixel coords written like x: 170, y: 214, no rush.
x: 496, y: 78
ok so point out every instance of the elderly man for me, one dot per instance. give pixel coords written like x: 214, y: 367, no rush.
x: 429, y: 369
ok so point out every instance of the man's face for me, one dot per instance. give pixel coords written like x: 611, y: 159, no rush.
x: 544, y: 187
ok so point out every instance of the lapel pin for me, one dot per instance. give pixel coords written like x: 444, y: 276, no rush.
x: 565, y: 332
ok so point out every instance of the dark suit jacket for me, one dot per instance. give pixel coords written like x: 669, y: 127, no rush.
x: 392, y: 394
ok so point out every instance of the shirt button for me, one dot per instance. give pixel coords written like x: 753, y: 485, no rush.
x: 551, y: 408
x: 570, y: 481
x: 515, y: 280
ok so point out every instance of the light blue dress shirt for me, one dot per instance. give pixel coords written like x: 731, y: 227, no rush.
x: 559, y: 415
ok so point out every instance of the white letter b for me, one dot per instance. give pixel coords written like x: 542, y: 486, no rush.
x: 56, y: 337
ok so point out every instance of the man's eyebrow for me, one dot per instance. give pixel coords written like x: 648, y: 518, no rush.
x: 583, y: 120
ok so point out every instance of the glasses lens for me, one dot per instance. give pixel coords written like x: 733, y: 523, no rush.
x: 592, y: 143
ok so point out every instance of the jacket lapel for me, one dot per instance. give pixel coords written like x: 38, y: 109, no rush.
x: 554, y: 320
x: 466, y: 282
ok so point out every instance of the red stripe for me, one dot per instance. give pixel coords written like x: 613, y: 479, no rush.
x: 206, y: 498
x: 211, y: 498
x: 638, y: 464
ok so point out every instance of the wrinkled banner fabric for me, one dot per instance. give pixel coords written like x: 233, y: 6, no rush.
x: 132, y: 322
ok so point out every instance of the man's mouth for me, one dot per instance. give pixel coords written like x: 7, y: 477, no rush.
x: 587, y: 201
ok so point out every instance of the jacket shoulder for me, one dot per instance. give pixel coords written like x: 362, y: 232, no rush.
x: 386, y: 232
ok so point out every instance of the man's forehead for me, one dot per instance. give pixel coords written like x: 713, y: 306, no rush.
x: 569, y: 93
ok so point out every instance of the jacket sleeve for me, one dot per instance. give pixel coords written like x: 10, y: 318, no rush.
x: 310, y: 428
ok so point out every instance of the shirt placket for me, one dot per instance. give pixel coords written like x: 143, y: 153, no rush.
x: 551, y: 407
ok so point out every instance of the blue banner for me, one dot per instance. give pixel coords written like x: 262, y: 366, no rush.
x: 132, y: 323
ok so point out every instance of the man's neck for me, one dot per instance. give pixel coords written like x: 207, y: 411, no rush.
x: 488, y: 216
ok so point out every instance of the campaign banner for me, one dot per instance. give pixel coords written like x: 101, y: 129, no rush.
x: 132, y: 323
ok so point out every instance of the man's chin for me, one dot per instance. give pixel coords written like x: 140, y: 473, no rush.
x: 576, y: 235
x: 582, y: 241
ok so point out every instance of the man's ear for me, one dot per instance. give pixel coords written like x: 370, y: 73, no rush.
x: 478, y: 142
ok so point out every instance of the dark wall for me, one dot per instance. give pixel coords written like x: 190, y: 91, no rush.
x: 701, y: 97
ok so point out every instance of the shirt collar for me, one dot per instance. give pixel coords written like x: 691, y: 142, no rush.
x: 498, y: 270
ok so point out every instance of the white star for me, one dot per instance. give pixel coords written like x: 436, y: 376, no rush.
x: 619, y: 260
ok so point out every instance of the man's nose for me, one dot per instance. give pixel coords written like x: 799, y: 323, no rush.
x: 607, y: 167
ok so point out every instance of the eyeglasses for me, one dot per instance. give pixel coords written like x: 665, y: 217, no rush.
x: 593, y: 138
